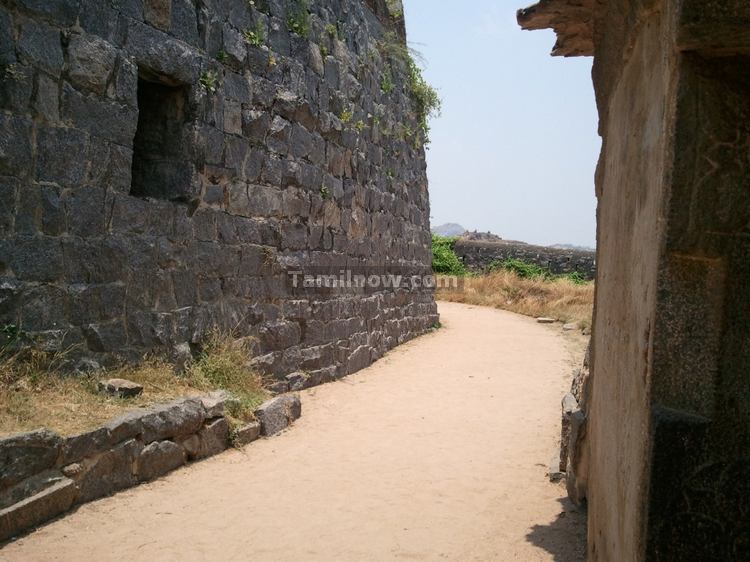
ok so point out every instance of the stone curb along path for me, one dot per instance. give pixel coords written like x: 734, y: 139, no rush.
x: 43, y: 475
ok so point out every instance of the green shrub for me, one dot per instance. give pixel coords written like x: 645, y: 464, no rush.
x: 444, y: 258
x: 521, y: 268
x: 576, y: 277
x: 533, y: 271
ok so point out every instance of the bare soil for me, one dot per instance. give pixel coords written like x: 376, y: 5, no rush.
x: 437, y: 452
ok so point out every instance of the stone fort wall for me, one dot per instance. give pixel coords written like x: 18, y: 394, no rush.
x: 165, y: 163
x: 480, y: 255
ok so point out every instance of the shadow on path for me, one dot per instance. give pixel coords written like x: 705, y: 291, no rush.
x: 568, y: 530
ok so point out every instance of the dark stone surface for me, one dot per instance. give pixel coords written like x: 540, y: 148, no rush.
x: 213, y: 438
x: 180, y: 418
x: 246, y: 434
x: 109, y: 472
x: 278, y: 413
x: 25, y: 454
x: 130, y: 254
x: 159, y: 458
x: 90, y: 443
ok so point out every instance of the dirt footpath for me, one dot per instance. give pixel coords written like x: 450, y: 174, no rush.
x: 437, y: 452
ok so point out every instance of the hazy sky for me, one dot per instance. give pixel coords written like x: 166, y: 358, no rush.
x: 516, y: 147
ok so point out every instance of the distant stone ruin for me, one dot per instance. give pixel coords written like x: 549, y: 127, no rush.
x: 165, y: 164
x: 480, y: 253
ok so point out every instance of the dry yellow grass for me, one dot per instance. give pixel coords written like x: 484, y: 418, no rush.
x: 560, y: 299
x: 34, y: 393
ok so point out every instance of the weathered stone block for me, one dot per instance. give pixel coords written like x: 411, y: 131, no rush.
x: 42, y: 506
x: 105, y: 336
x: 246, y: 434
x: 180, y: 418
x: 15, y: 145
x: 214, y: 438
x: 62, y: 11
x: 184, y: 24
x: 278, y: 413
x: 25, y: 454
x: 163, y: 54
x: 215, y: 403
x: 109, y: 472
x: 84, y: 445
x: 91, y: 61
x: 40, y: 45
x: 7, y: 43
x: 59, y: 153
x: 298, y: 381
x: 103, y: 119
x: 126, y: 426
x: 38, y: 259
x: 279, y: 335
x: 158, y: 459
x: 158, y: 13
x: 16, y: 88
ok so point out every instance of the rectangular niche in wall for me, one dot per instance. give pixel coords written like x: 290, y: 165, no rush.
x: 161, y: 168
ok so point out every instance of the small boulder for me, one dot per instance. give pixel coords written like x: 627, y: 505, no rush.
x: 544, y: 320
x: 52, y: 500
x: 120, y: 388
x: 278, y: 413
x: 570, y: 327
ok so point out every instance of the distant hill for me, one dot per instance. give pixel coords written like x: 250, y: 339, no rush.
x: 449, y: 229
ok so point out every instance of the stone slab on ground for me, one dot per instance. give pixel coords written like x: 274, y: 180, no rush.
x: 53, y: 500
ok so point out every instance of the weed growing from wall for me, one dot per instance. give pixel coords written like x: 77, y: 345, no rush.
x: 255, y: 37
x: 298, y: 17
x: 210, y: 81
x: 426, y: 98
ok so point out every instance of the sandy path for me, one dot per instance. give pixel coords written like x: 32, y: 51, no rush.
x: 437, y: 452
